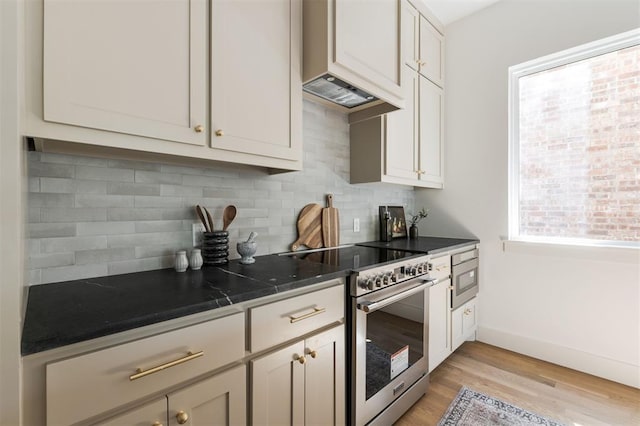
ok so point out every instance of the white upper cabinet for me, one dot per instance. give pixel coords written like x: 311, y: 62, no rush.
x: 410, y: 24
x: 357, y: 42
x: 113, y: 65
x: 195, y: 79
x: 431, y: 122
x: 255, y: 77
x: 407, y: 146
x: 401, y: 142
x: 431, y: 52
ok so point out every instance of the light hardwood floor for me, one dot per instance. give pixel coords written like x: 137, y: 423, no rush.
x: 567, y: 396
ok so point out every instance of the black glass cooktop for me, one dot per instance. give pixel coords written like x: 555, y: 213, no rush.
x: 354, y: 257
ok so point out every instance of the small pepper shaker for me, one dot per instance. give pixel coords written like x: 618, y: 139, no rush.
x: 181, y: 261
x: 195, y: 260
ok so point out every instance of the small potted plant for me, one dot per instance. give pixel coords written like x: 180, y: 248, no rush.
x: 415, y: 219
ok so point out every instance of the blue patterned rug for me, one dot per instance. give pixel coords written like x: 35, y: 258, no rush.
x: 471, y: 408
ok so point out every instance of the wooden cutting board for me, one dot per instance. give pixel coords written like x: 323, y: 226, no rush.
x: 330, y: 224
x: 309, y: 227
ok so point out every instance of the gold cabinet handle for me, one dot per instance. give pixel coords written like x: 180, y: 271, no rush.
x: 300, y: 358
x: 313, y: 354
x: 422, y: 63
x: 156, y: 424
x: 467, y: 311
x: 219, y: 132
x: 199, y: 128
x: 182, y: 417
x: 316, y: 311
x: 141, y: 373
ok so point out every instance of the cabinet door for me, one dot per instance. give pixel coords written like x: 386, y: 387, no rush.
x: 431, y: 52
x: 401, y: 132
x: 470, y: 318
x: 431, y: 136
x: 277, y: 394
x: 463, y: 323
x: 367, y: 40
x: 410, y: 24
x: 325, y: 378
x: 439, y: 323
x: 255, y: 77
x: 219, y: 400
x: 146, y: 415
x: 113, y: 65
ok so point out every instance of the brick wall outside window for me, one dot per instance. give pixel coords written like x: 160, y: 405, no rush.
x: 579, y: 129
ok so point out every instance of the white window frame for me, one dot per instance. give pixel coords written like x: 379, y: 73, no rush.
x: 585, y: 51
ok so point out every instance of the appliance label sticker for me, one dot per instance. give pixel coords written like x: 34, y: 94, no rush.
x: 399, y: 361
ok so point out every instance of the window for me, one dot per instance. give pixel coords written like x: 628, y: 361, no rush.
x: 574, y: 174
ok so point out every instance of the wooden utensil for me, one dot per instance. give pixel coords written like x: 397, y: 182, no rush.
x: 228, y: 215
x: 330, y: 224
x: 210, y: 219
x: 309, y: 227
x: 202, y: 219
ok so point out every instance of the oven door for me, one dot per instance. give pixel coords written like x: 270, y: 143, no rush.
x: 465, y: 282
x: 390, y: 341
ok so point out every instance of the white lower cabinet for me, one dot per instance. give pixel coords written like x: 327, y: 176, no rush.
x: 463, y: 323
x: 302, y: 383
x: 439, y: 323
x: 219, y: 400
x: 151, y: 414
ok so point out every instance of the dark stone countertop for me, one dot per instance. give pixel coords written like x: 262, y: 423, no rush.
x: 427, y: 245
x: 60, y: 314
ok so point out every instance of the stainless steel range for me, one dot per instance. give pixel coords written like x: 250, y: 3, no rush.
x: 388, y: 321
x: 387, y: 318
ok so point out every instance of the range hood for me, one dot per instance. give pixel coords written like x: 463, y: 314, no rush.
x: 337, y: 91
x: 351, y: 56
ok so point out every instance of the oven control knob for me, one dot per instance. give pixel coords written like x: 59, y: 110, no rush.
x: 378, y: 281
x: 362, y: 283
x: 385, y: 280
x: 394, y: 278
x: 420, y: 269
x: 370, y: 283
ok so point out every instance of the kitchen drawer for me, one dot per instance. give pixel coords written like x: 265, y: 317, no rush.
x: 90, y: 384
x: 291, y: 318
x: 440, y: 267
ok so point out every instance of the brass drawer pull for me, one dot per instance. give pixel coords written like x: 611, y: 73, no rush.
x: 141, y: 373
x: 316, y: 311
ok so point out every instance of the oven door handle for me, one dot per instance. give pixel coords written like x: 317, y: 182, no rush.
x: 368, y: 306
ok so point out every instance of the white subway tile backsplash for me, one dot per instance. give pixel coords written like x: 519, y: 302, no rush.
x: 95, y: 200
x: 104, y: 173
x: 105, y: 228
x: 50, y: 230
x: 74, y: 272
x: 131, y: 216
x: 101, y: 256
x: 127, y: 188
x: 47, y: 200
x: 143, y: 176
x: 50, y: 260
x: 66, y: 244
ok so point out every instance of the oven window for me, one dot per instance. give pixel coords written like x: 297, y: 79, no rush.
x: 395, y: 341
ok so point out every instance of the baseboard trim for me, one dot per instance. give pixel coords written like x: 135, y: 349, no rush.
x: 627, y: 374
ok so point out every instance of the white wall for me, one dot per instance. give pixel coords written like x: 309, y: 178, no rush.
x: 578, y: 307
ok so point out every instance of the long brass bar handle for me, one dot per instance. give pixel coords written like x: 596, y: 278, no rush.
x: 141, y: 373
x: 316, y: 311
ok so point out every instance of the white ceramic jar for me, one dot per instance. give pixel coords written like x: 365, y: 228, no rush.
x: 195, y: 260
x: 181, y: 261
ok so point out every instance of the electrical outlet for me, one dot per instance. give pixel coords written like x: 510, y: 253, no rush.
x: 356, y: 224
x: 197, y: 229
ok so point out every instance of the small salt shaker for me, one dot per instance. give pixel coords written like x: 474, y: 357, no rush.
x: 195, y: 260
x: 181, y: 261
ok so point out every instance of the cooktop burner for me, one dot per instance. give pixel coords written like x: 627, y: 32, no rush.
x: 354, y: 257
